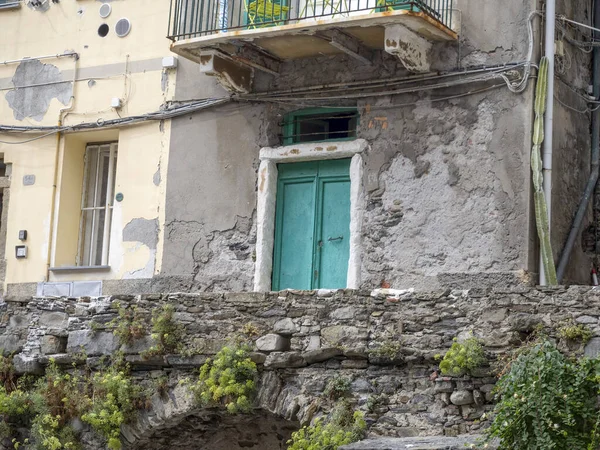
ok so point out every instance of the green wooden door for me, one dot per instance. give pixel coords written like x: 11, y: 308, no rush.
x: 312, y: 225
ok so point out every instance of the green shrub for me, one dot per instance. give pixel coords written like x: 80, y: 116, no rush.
x: 546, y: 401
x: 572, y: 332
x: 462, y: 358
x: 228, y: 379
x: 344, y: 426
x: 128, y: 326
x: 337, y: 387
x: 389, y: 350
x: 167, y: 333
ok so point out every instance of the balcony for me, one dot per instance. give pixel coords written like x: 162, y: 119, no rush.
x: 232, y: 38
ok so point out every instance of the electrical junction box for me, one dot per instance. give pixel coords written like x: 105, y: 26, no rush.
x: 116, y: 103
x: 21, y: 251
x: 22, y: 235
x: 38, y: 5
x: 169, y: 62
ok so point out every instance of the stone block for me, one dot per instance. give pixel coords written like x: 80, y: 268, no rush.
x: 592, y: 348
x: 442, y: 385
x: 11, y: 343
x: 26, y: 365
x: 280, y: 360
x: 92, y: 344
x: 55, y: 321
x: 479, y: 398
x: 320, y: 355
x: 285, y: 327
x: 355, y: 364
x: 587, y: 320
x: 345, y: 313
x: 18, y: 322
x: 460, y: 398
x: 272, y: 343
x: 51, y: 345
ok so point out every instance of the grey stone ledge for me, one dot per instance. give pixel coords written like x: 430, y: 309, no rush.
x: 420, y: 443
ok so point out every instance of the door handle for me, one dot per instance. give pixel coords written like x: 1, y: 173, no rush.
x: 339, y: 238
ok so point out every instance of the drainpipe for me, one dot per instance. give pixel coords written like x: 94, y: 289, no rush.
x: 547, y: 150
x: 61, y: 115
x: 595, y: 157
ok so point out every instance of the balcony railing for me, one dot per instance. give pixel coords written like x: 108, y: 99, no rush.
x: 193, y: 18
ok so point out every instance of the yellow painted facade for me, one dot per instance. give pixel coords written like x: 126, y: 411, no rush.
x: 128, y: 68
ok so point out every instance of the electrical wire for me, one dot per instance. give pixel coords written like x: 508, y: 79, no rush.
x: 30, y: 140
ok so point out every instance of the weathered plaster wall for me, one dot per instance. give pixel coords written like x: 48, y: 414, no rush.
x: 383, y: 341
x: 447, y: 182
x: 34, y: 91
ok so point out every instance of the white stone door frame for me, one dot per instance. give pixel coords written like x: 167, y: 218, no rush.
x: 267, y: 194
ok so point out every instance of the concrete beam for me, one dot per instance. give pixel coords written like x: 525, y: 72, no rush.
x: 348, y: 44
x: 230, y: 74
x: 246, y: 54
x: 410, y: 48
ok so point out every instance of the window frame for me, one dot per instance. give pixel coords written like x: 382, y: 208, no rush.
x: 290, y: 134
x: 107, y: 209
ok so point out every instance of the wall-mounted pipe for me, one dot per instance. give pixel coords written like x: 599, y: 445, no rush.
x: 58, y: 55
x: 548, y: 123
x: 595, y: 157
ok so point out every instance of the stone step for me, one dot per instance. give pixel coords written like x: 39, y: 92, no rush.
x: 420, y: 443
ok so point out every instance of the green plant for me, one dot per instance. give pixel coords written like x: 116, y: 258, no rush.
x: 128, y: 326
x: 342, y: 427
x: 572, y: 332
x: 228, y: 379
x: 374, y: 401
x: 463, y: 358
x: 49, y: 434
x: 7, y: 372
x: 541, y: 208
x: 546, y: 401
x: 387, y: 350
x: 116, y: 400
x: 167, y: 333
x: 337, y: 387
x: 250, y: 330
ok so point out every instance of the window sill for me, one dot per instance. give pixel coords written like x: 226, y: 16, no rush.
x: 65, y: 269
x: 12, y: 5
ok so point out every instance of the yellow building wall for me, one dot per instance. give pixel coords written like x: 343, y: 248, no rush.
x: 127, y: 68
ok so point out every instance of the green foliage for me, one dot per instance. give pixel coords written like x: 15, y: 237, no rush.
x: 47, y: 406
x: 572, y: 332
x: 462, y: 358
x: 228, y: 379
x: 337, y: 387
x: 116, y: 400
x: 342, y: 427
x: 128, y: 326
x: 547, y: 401
x: 7, y: 372
x: 374, y: 401
x: 387, y: 350
x: 167, y: 333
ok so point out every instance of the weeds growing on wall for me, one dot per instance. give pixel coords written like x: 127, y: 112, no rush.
x: 547, y: 400
x: 228, y: 379
x: 342, y: 427
x: 128, y: 326
x: 463, y: 358
x: 167, y: 333
x: 49, y: 405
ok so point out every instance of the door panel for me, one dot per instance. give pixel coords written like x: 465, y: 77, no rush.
x: 333, y: 237
x: 312, y: 225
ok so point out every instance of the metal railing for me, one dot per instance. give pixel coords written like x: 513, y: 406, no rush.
x: 193, y: 18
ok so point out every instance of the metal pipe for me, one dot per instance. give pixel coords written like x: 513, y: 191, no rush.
x: 58, y: 55
x: 595, y: 157
x: 549, y: 118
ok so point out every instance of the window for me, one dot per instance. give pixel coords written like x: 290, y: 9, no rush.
x: 96, y: 204
x: 7, y: 4
x: 319, y: 124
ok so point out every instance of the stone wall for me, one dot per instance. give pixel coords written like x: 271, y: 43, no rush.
x: 383, y: 341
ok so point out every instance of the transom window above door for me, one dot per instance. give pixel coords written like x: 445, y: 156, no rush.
x: 319, y: 124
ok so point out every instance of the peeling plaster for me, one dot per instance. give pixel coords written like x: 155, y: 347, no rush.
x: 142, y: 230
x: 34, y: 101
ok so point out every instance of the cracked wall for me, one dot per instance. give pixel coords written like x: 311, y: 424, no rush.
x: 447, y: 181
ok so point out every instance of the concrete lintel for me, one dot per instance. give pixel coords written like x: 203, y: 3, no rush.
x: 348, y: 44
x: 246, y: 54
x: 230, y: 74
x: 313, y: 151
x: 412, y: 49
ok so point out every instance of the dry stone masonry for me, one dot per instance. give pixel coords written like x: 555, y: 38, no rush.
x: 385, y: 342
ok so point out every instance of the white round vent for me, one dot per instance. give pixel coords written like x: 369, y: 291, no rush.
x: 123, y: 27
x: 105, y: 10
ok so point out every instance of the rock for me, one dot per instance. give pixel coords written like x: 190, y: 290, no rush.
x: 54, y: 320
x: 272, y: 343
x: 347, y: 312
x: 92, y: 344
x: 18, y: 322
x: 587, y: 319
x: 138, y: 345
x: 285, y: 327
x: 592, y: 348
x: 355, y: 364
x: 51, y: 345
x: 494, y: 315
x: 343, y: 335
x: 11, y: 343
x: 442, y: 385
x: 258, y: 358
x: 523, y: 322
x: 320, y: 355
x: 418, y: 443
x: 280, y: 360
x: 26, y: 365
x: 460, y: 398
x: 488, y: 392
x: 479, y: 398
